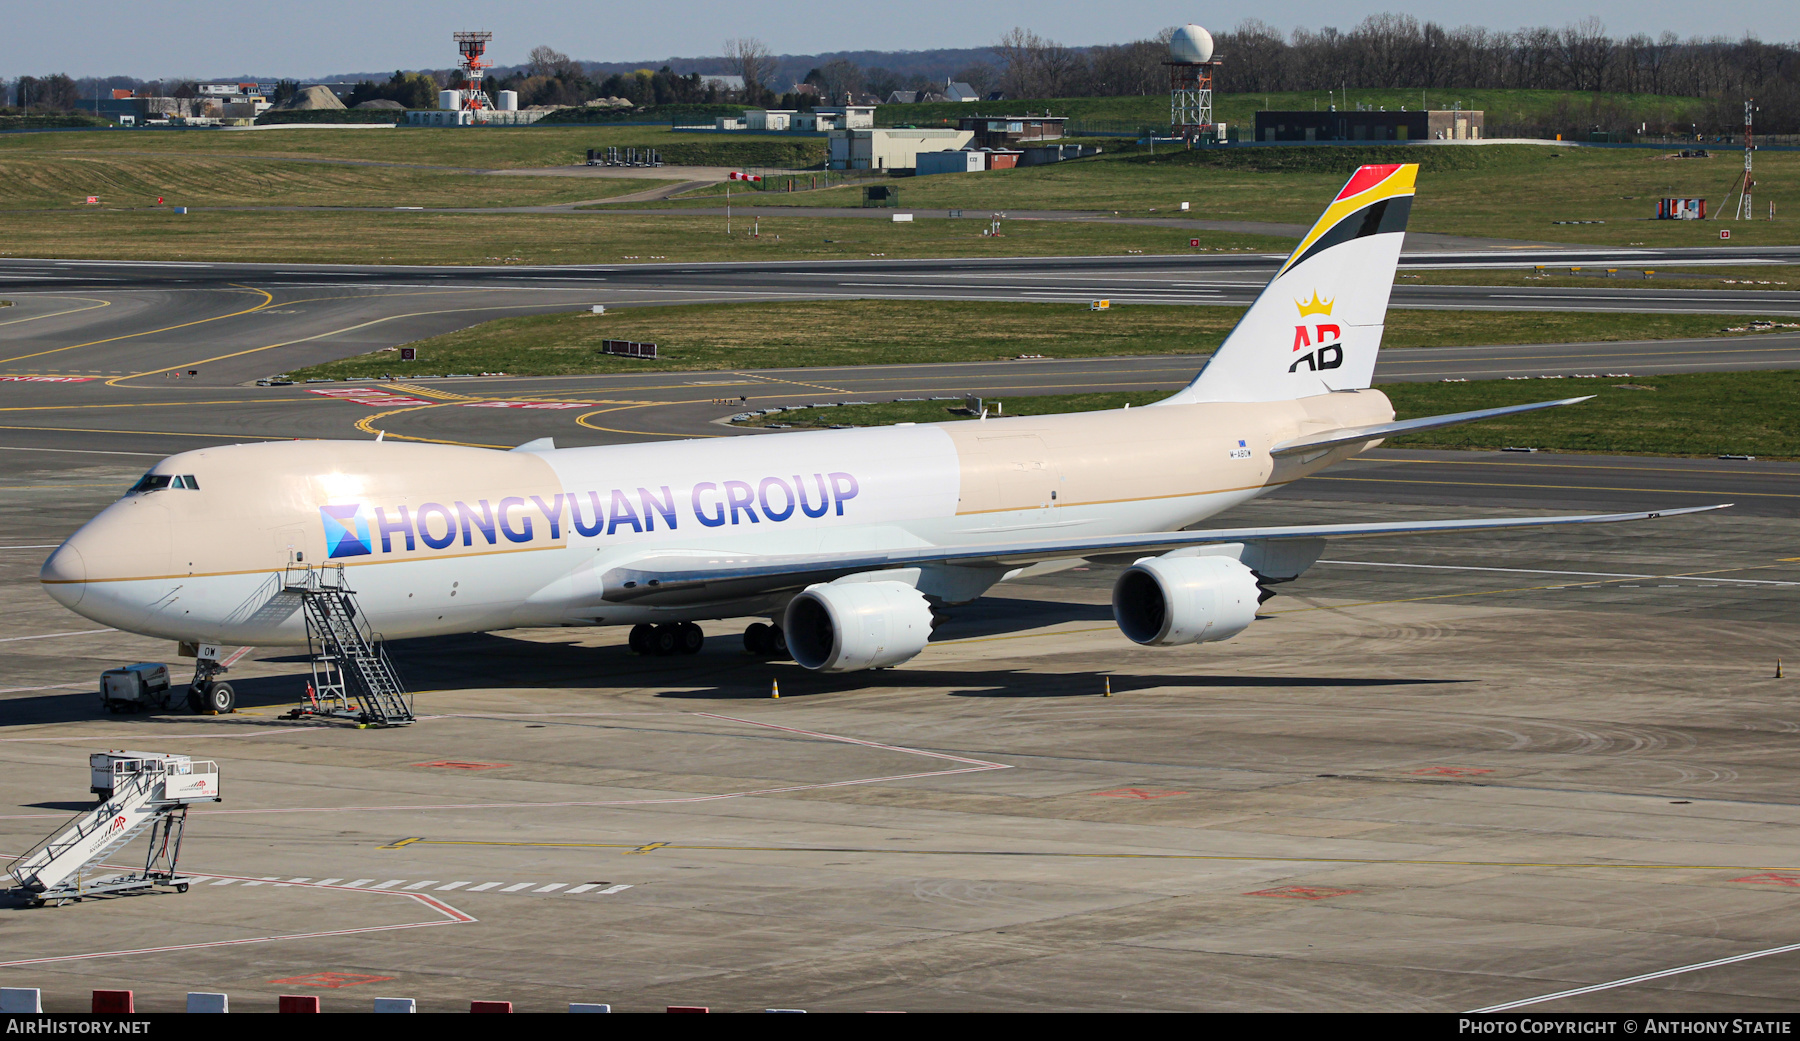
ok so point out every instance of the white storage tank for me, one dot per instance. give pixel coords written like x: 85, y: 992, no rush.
x: 509, y: 101
x: 450, y: 100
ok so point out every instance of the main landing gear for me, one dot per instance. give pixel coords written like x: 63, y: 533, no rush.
x: 766, y: 641
x: 667, y: 639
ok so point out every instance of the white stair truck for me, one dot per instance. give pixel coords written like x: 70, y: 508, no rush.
x: 137, y: 790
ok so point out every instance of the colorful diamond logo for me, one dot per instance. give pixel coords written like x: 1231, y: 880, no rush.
x: 346, y: 531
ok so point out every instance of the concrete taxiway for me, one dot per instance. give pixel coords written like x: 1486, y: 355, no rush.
x: 1519, y: 769
x: 1439, y: 774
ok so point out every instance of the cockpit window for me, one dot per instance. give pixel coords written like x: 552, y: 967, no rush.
x: 154, y: 482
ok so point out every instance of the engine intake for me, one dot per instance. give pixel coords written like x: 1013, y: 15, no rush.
x: 844, y: 627
x: 1167, y: 601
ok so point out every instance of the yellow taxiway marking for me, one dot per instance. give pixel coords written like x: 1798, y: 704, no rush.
x: 96, y: 305
x: 366, y: 425
x: 582, y: 420
x: 1233, y: 858
x: 117, y: 380
x: 267, y: 300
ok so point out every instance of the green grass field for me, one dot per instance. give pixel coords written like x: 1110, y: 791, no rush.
x: 370, y: 237
x: 1777, y: 277
x: 884, y: 332
x: 1506, y: 191
x: 125, y: 182
x: 1698, y: 415
x: 485, y: 148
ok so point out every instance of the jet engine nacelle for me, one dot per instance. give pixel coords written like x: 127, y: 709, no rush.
x: 843, y: 627
x: 1166, y: 601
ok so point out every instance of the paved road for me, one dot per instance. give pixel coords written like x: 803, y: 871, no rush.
x: 117, y: 331
x: 236, y: 322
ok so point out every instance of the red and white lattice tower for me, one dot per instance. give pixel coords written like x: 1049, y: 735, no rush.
x: 1745, y: 210
x: 1191, y: 64
x: 473, y: 46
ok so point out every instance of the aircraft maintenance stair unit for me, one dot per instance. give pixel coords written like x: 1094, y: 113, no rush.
x: 137, y: 790
x: 352, y: 677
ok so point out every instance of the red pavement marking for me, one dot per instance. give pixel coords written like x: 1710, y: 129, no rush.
x: 1140, y: 793
x: 1304, y: 892
x: 452, y: 764
x: 1771, y: 878
x: 1449, y: 771
x: 333, y: 980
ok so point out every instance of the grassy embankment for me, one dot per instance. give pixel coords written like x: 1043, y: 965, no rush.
x: 1505, y: 191
x: 881, y: 332
x: 1502, y: 107
x: 1702, y: 414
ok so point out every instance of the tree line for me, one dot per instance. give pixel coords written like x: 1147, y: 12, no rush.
x: 1400, y: 51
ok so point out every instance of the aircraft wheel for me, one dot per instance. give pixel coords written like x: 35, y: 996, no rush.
x: 756, y: 639
x: 666, y: 639
x: 641, y: 639
x: 221, y: 698
x: 778, y: 643
x: 691, y: 637
x: 196, y: 698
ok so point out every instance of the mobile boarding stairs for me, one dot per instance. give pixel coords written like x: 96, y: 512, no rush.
x: 352, y: 677
x: 137, y: 790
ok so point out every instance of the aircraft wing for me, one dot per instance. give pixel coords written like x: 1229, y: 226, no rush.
x: 1352, y: 435
x: 699, y: 575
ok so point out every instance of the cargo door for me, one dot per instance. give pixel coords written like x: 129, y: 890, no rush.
x: 1025, y: 475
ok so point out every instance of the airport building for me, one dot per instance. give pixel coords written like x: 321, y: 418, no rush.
x: 1417, y: 125
x: 896, y: 149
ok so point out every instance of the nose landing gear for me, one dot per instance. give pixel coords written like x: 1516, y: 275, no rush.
x: 205, y: 694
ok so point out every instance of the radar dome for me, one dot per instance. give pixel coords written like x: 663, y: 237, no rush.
x: 1191, y: 44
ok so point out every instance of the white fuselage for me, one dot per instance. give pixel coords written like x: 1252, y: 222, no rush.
x: 440, y: 539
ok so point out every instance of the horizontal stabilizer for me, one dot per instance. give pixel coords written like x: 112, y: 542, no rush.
x: 1351, y: 435
x: 541, y: 444
x: 699, y: 574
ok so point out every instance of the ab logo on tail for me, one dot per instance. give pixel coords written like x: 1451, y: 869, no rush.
x: 1329, y: 353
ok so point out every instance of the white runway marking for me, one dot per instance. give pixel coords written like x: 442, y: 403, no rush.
x: 47, y: 636
x: 1646, y: 977
x: 484, y: 886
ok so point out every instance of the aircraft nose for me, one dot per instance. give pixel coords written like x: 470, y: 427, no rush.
x: 65, y: 575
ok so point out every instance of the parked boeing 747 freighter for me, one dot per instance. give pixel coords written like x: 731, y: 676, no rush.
x: 849, y: 542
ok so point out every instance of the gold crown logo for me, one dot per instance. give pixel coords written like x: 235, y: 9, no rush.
x: 1314, y: 306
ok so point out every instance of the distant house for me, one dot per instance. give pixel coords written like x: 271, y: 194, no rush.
x: 806, y: 90
x: 1006, y: 131
x: 727, y: 83
x: 955, y: 91
x: 903, y: 97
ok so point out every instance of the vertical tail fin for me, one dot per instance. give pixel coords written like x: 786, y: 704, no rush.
x: 1317, y: 326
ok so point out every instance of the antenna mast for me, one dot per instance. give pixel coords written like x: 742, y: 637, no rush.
x: 1745, y: 211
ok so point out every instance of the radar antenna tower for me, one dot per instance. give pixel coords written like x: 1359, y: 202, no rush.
x: 473, y: 46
